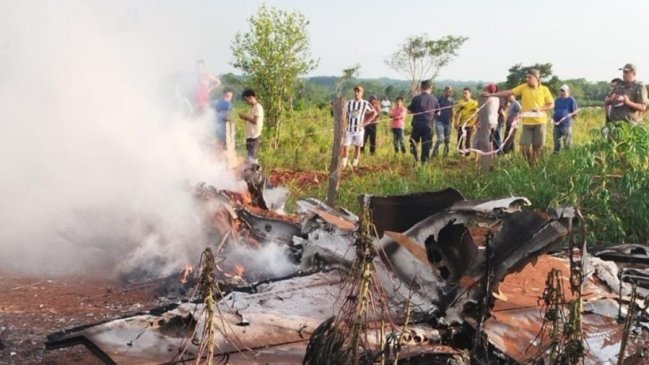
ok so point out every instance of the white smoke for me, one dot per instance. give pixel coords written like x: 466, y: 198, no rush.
x: 268, y: 260
x: 97, y: 161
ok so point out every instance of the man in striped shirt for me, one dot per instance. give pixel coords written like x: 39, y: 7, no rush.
x: 358, y: 112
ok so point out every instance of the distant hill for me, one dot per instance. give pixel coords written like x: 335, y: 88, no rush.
x: 320, y: 90
x: 381, y: 87
x: 330, y: 82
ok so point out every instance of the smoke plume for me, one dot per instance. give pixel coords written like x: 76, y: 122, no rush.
x: 98, y: 157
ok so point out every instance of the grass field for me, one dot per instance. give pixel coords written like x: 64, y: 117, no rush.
x: 595, y: 175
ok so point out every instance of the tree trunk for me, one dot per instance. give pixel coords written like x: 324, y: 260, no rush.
x: 340, y: 118
x: 414, y: 87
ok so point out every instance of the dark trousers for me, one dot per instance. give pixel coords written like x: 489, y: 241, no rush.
x: 252, y: 146
x: 397, y: 140
x: 509, y: 143
x: 496, y: 138
x: 423, y: 134
x: 370, y: 133
x: 562, y: 133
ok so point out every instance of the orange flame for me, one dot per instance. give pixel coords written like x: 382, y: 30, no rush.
x: 187, y: 271
x: 237, y: 272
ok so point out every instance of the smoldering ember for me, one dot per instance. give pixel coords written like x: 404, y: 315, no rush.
x: 424, y: 278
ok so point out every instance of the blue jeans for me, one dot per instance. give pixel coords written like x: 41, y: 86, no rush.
x: 565, y: 133
x: 220, y: 133
x: 397, y: 140
x: 443, y: 131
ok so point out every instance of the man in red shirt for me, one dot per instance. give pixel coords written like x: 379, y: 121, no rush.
x: 206, y: 82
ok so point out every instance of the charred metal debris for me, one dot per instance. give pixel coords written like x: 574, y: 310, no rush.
x: 424, y: 278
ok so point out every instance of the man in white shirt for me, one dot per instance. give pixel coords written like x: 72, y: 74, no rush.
x: 385, y: 106
x: 359, y: 112
x: 255, y: 123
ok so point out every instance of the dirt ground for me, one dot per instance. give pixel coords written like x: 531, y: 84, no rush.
x: 33, y: 307
x: 308, y: 179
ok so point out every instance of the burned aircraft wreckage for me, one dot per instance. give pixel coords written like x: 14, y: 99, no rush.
x: 424, y: 278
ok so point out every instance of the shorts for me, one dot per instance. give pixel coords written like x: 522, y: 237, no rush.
x: 354, y: 138
x: 533, y: 135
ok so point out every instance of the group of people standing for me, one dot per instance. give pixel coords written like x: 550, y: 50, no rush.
x: 224, y: 128
x: 500, y: 111
x: 438, y: 115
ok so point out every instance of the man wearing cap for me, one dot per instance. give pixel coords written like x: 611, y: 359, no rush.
x: 358, y: 110
x: 628, y: 101
x: 424, y: 107
x: 565, y: 107
x: 536, y: 100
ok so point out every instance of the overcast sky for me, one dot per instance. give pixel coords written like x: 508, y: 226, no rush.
x: 581, y: 39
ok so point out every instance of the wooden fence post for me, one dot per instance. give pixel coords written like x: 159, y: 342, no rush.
x: 483, y: 133
x: 340, y: 118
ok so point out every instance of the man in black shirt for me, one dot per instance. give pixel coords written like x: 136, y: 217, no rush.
x: 424, y: 108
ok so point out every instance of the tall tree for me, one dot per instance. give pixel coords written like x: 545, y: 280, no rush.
x: 273, y: 54
x: 421, y: 58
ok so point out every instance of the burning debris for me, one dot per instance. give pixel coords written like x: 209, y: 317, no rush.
x: 426, y: 278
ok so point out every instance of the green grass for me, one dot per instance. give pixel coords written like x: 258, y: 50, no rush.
x: 607, y: 180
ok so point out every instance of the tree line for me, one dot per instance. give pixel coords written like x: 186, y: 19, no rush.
x: 274, y: 56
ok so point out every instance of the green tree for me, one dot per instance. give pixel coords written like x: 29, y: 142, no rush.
x: 273, y: 54
x: 348, y: 74
x: 232, y: 82
x: 597, y: 92
x: 577, y: 87
x: 389, y: 92
x: 421, y: 58
x: 518, y: 72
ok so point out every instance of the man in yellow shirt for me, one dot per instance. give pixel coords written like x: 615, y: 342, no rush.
x: 466, y: 117
x: 536, y: 100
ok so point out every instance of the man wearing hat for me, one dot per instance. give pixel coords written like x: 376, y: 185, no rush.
x: 536, y: 100
x: 628, y: 101
x: 424, y: 108
x: 565, y: 107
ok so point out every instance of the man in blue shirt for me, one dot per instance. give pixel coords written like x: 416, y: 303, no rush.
x: 565, y: 108
x: 223, y: 109
x: 443, y: 122
x: 423, y: 107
